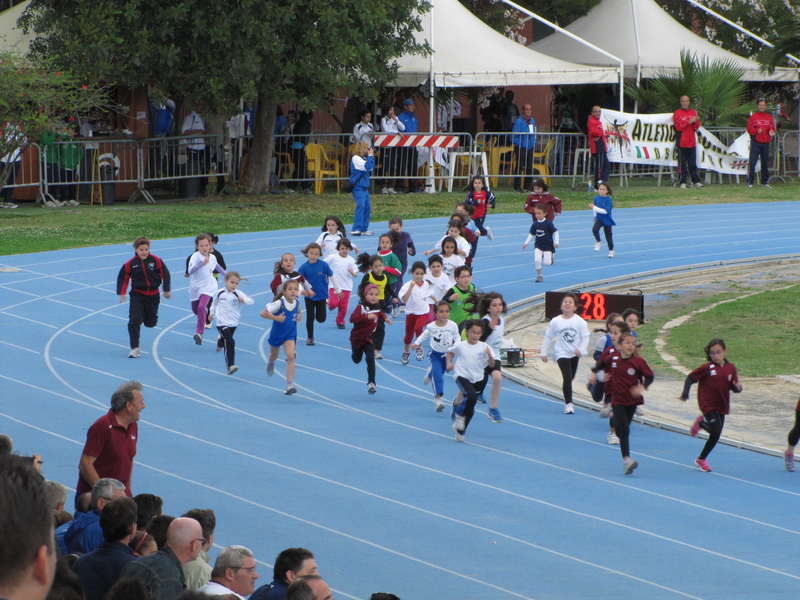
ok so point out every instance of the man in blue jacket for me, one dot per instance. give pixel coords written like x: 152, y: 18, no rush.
x: 523, y: 138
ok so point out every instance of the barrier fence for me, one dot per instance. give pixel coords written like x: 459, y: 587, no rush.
x: 90, y: 171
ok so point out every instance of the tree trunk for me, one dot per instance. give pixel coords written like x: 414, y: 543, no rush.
x: 263, y: 145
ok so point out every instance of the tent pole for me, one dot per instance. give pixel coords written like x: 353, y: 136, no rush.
x: 638, y: 53
x: 430, y: 183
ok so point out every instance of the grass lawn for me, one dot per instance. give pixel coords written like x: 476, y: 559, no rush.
x: 30, y: 229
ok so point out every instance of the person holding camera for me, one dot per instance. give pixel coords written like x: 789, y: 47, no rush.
x: 361, y: 165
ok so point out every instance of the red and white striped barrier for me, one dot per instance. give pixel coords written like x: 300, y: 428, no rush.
x: 416, y: 141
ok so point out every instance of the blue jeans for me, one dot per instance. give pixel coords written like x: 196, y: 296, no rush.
x: 363, y: 209
x: 758, y: 150
x: 438, y: 367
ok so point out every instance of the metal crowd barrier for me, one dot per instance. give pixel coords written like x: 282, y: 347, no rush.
x: 22, y: 173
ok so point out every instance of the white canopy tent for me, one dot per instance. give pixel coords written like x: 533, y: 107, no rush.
x: 646, y: 38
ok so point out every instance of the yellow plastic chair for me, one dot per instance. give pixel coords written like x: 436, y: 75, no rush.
x: 286, y: 169
x: 541, y: 161
x: 321, y: 166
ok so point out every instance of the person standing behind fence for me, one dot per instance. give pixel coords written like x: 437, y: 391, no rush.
x: 761, y: 127
x: 686, y: 123
x: 300, y: 133
x: 361, y: 165
x: 70, y: 155
x: 408, y: 156
x: 390, y: 124
x: 524, y: 142
x: 598, y: 147
x: 194, y: 124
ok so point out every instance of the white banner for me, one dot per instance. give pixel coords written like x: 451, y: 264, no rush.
x: 650, y: 140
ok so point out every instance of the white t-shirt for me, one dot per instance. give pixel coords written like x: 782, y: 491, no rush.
x: 472, y: 360
x: 570, y: 334
x: 442, y: 338
x: 417, y: 303
x: 227, y: 308
x: 449, y: 265
x: 461, y: 243
x: 275, y: 306
x: 440, y: 285
x: 495, y: 339
x: 202, y: 282
x: 343, y: 269
x: 330, y: 242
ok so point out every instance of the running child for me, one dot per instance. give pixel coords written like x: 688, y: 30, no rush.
x: 372, y: 267
x: 344, y: 267
x: 491, y: 308
x: 455, y: 228
x: 571, y: 339
x: 316, y: 272
x: 438, y: 279
x: 403, y: 248
x: 462, y: 214
x: 415, y: 294
x: 603, y: 342
x: 220, y: 261
x: 333, y: 230
x: 601, y: 208
x: 146, y: 273
x: 284, y: 271
x: 597, y: 380
x: 451, y: 260
x: 366, y: 317
x: 202, y: 285
x: 627, y: 377
x: 226, y: 308
x: 715, y: 380
x: 443, y: 334
x: 540, y: 195
x: 285, y: 314
x: 794, y: 437
x: 474, y: 357
x: 480, y: 199
x: 546, y: 236
x: 461, y: 297
x: 391, y: 264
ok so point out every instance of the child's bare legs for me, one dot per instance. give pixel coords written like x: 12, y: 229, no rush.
x: 497, y: 382
x: 289, y: 352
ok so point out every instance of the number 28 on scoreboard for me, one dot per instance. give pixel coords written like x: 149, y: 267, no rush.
x: 596, y: 306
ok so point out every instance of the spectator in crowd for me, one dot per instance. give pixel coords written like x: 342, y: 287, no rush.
x: 85, y: 533
x: 194, y: 124
x: 234, y: 573
x: 761, y: 127
x: 511, y: 113
x: 198, y: 571
x: 290, y: 564
x: 390, y: 124
x: 524, y: 142
x: 162, y: 572
x: 56, y: 495
x: 493, y: 113
x: 407, y: 157
x: 27, y: 553
x: 142, y: 544
x: 99, y: 570
x: 157, y: 527
x: 309, y: 587
x: 609, y: 100
x: 6, y: 445
x: 148, y: 506
x: 82, y: 506
x: 111, y: 440
x: 686, y: 123
x: 598, y: 147
x: 66, y: 585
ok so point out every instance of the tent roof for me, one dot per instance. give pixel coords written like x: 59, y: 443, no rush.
x: 610, y: 26
x: 11, y: 37
x: 469, y: 53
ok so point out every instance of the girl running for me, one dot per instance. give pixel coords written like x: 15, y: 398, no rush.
x: 443, y: 334
x: 372, y: 267
x: 546, y: 236
x: 480, y: 199
x: 438, y: 280
x: 715, y: 380
x: 284, y: 271
x: 627, y: 376
x: 366, y: 317
x: 415, y: 294
x: 455, y: 228
x: 220, y: 261
x: 391, y: 264
x: 344, y: 267
x: 601, y: 207
x: 451, y: 260
x: 202, y: 285
x: 461, y: 297
x: 572, y: 336
x: 402, y: 248
x: 285, y: 314
x: 491, y: 308
x: 227, y: 310
x: 597, y: 380
x: 794, y: 437
x: 316, y: 272
x: 333, y: 230
x: 462, y: 214
x: 540, y: 195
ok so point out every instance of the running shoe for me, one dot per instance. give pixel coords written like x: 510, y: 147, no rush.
x: 611, y: 254
x: 494, y: 415
x: 232, y: 369
x: 371, y: 389
x: 481, y: 399
x: 198, y: 339
x: 766, y: 185
x: 613, y: 440
x: 355, y: 232
x: 134, y: 353
x: 208, y: 325
x: 569, y: 408
x: 698, y: 185
x: 701, y: 462
x: 270, y: 368
x: 696, y: 426
x: 340, y: 325
x: 395, y: 312
x: 459, y: 437
x: 404, y: 358
x: 539, y: 279
x: 489, y: 235
x: 402, y: 308
x: 427, y: 379
x: 420, y: 354
x: 439, y: 405
x: 290, y: 389
x: 605, y: 411
x: 683, y: 186
x: 309, y: 341
x: 378, y: 355
x: 459, y: 425
x: 629, y: 467
x: 367, y: 233
x: 597, y: 246
x: 788, y: 462
x: 219, y: 344
x: 12, y: 205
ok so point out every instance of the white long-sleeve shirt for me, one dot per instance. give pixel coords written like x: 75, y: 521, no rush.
x: 570, y: 335
x: 442, y: 338
x: 391, y: 126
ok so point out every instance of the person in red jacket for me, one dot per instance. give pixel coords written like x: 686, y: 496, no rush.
x: 598, y: 147
x: 761, y: 127
x: 686, y: 122
x: 146, y: 273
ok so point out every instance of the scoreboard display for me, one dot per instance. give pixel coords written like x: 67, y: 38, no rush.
x: 595, y: 306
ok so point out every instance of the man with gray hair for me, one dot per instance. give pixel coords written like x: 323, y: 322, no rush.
x: 111, y: 440
x: 234, y: 573
x: 85, y: 533
x: 56, y: 495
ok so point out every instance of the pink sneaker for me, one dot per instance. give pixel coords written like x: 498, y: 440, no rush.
x: 696, y: 427
x: 702, y: 464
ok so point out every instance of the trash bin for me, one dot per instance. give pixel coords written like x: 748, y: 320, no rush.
x: 191, y: 187
x: 109, y: 188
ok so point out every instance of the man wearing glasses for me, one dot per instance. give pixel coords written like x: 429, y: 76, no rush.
x: 234, y: 573
x: 162, y: 572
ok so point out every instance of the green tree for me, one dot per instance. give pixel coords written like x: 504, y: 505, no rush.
x: 216, y: 53
x: 715, y: 88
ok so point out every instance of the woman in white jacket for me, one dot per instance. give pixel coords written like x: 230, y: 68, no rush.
x: 392, y: 125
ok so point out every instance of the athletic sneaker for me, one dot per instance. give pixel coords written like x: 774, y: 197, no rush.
x: 9, y: 205
x: 766, y: 185
x: 134, y: 353
x: 481, y: 399
x: 371, y: 389
x: 367, y: 233
x: 208, y: 325
x: 629, y: 467
x: 749, y: 185
x: 700, y: 462
x: 404, y: 358
x: 698, y: 185
x: 611, y: 254
x: 232, y: 369
x: 613, y: 440
x: 309, y: 341
x: 569, y: 408
x: 696, y: 426
x: 494, y: 415
x: 355, y: 233
x: 219, y: 344
x: 459, y: 425
x: 270, y: 368
x: 427, y: 378
x: 605, y: 411
x: 683, y: 186
x: 378, y: 355
x: 439, y: 406
x: 539, y: 279
x: 340, y: 326
x: 489, y: 235
x: 788, y: 462
x: 290, y: 389
x: 395, y: 312
x: 402, y: 308
x: 198, y: 339
x: 459, y: 437
x: 420, y: 354
x: 73, y: 203
x: 597, y: 246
